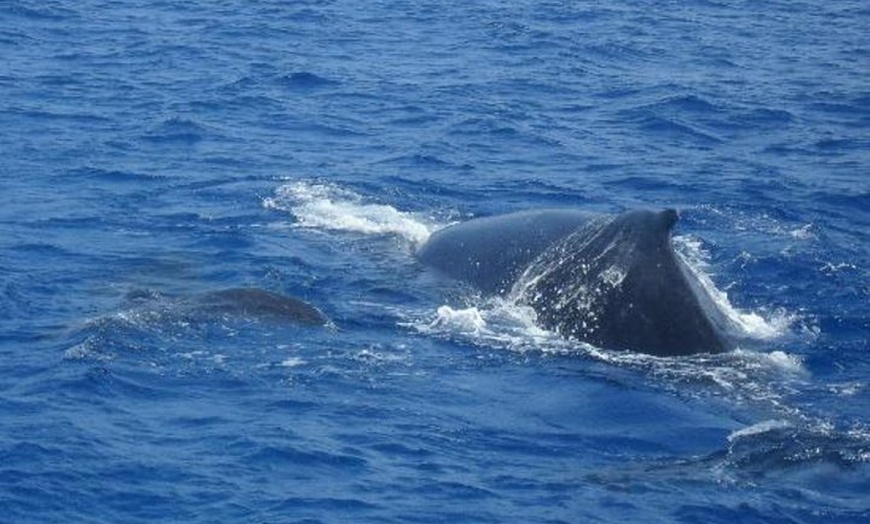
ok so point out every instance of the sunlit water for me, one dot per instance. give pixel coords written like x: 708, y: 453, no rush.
x: 154, y: 151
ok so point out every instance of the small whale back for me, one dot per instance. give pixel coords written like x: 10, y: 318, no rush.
x: 259, y: 304
x: 241, y: 303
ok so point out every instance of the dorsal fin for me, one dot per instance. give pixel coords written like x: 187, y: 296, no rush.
x: 644, y: 227
x: 668, y: 218
x: 618, y: 284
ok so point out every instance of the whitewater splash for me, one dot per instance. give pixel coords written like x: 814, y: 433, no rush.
x: 493, y: 322
x: 760, y: 376
x: 326, y: 206
x: 777, y: 446
x: 499, y: 322
x: 743, y: 324
x: 329, y: 207
x: 751, y: 373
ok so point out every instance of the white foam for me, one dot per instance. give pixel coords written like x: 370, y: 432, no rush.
x: 785, y: 362
x: 847, y: 389
x: 326, y: 206
x: 292, y: 362
x: 86, y: 351
x: 804, y: 233
x: 494, y: 322
x: 759, y: 428
x: 376, y: 355
x: 468, y: 320
x: 757, y: 325
x: 831, y: 268
x: 744, y: 375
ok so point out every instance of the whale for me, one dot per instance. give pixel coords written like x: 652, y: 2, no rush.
x: 239, y: 302
x: 258, y: 304
x: 610, y: 280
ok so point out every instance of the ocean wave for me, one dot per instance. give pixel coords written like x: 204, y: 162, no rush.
x: 757, y: 325
x: 757, y: 372
x: 772, y: 446
x: 307, y: 80
x: 330, y: 207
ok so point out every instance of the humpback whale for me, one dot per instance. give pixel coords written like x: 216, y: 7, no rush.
x: 260, y: 304
x: 242, y: 302
x: 613, y: 281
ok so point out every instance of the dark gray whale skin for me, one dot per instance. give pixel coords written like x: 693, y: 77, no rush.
x: 258, y: 303
x: 613, y: 281
x: 241, y: 302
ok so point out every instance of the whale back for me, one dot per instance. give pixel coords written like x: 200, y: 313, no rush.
x: 492, y: 252
x: 616, y: 282
x: 257, y: 303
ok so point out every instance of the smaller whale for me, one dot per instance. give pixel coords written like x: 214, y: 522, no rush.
x: 613, y: 281
x: 244, y: 303
x: 259, y: 304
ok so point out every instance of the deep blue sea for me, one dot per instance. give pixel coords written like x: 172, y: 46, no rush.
x: 152, y: 151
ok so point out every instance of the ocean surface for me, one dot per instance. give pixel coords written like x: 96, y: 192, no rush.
x: 154, y: 151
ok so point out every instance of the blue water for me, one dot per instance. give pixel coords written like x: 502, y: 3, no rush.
x: 153, y: 150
